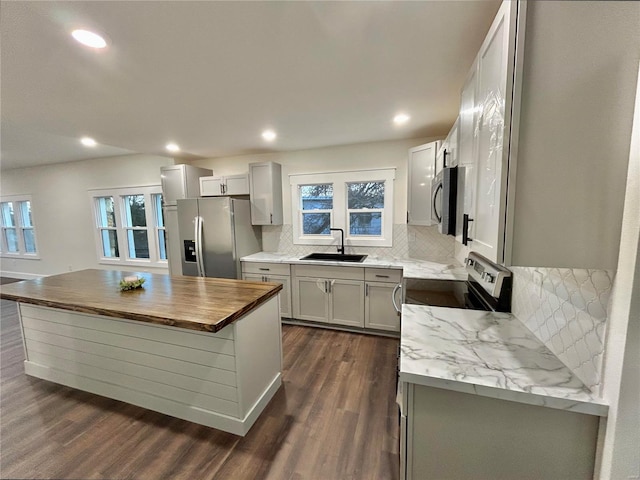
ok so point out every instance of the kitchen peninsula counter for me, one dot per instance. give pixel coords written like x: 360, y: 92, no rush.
x: 206, y: 350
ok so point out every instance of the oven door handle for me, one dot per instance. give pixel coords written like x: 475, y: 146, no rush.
x: 393, y: 297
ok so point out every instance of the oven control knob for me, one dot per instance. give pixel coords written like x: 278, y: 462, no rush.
x: 469, y: 261
x: 487, y: 277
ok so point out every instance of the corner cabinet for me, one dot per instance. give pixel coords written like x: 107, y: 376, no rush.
x: 485, y: 133
x: 421, y: 171
x: 273, y: 273
x: 227, y: 185
x: 333, y: 295
x: 265, y: 193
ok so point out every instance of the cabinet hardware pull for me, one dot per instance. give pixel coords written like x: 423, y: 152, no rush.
x: 264, y: 269
x: 271, y: 218
x: 465, y: 229
x: 366, y: 289
x: 382, y: 276
x: 444, y: 158
x: 393, y: 297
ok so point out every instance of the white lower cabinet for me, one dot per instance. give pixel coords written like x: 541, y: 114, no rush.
x: 446, y: 434
x: 274, y: 273
x: 329, y: 294
x: 378, y: 307
x: 380, y: 287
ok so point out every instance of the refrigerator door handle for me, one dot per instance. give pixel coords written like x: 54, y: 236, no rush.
x: 196, y: 225
x: 200, y: 258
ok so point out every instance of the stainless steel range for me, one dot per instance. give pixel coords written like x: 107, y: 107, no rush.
x: 487, y: 288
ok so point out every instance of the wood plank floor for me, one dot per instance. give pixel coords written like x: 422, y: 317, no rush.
x: 335, y: 417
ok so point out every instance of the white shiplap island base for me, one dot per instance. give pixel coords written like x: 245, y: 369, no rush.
x: 222, y: 379
x: 482, y: 397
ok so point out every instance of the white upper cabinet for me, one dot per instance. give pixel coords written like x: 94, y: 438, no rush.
x: 265, y: 186
x: 181, y: 181
x: 485, y: 117
x: 227, y: 185
x: 421, y: 170
x: 448, y: 152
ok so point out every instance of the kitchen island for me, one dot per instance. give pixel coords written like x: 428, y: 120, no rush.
x: 206, y: 350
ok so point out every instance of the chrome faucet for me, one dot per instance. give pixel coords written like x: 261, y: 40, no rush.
x: 341, y: 247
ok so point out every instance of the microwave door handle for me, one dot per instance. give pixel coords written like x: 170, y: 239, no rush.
x: 435, y: 208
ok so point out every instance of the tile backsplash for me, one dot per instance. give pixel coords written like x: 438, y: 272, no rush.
x: 566, y: 308
x: 409, y: 241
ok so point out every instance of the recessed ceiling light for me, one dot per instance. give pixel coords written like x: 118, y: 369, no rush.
x: 172, y: 147
x: 88, y: 142
x: 401, y: 118
x: 89, y: 39
x: 269, y: 135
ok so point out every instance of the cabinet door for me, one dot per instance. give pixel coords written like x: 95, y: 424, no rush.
x: 310, y: 299
x: 493, y: 103
x: 236, y: 185
x: 347, y: 302
x: 421, y: 168
x: 285, y: 293
x: 211, y: 186
x: 466, y: 148
x: 451, y: 159
x: 174, y: 183
x: 265, y: 185
x: 379, y: 312
x: 172, y: 238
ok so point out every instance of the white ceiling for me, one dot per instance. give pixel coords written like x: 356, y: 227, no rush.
x: 211, y: 76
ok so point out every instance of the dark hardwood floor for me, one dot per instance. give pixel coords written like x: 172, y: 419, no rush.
x: 335, y: 417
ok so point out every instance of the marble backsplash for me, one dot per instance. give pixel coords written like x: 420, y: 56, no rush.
x: 409, y: 241
x: 566, y: 308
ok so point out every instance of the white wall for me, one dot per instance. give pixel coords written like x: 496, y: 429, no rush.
x: 330, y: 159
x: 579, y: 82
x: 62, y: 209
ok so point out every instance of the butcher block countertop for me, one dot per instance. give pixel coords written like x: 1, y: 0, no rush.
x: 205, y: 304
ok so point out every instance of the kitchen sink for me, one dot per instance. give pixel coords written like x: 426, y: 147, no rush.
x: 335, y: 257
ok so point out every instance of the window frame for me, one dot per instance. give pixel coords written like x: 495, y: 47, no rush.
x: 302, y: 211
x: 340, y: 211
x: 19, y: 227
x: 122, y: 230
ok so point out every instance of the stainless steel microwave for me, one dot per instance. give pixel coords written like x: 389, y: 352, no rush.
x: 444, y: 196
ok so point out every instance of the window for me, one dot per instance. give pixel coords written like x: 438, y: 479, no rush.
x: 18, y: 230
x: 365, y: 206
x: 359, y: 202
x: 316, y: 204
x: 130, y: 226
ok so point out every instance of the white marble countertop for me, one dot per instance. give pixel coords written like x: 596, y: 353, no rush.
x: 489, y: 354
x: 411, y: 268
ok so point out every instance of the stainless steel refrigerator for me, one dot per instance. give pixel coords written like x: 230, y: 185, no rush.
x: 215, y: 233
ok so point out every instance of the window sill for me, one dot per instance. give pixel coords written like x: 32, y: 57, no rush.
x: 19, y: 256
x: 135, y: 263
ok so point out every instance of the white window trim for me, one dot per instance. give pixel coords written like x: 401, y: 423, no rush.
x: 339, y: 216
x: 121, y: 230
x: 21, y: 253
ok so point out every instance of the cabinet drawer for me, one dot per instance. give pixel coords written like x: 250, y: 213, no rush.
x: 382, y: 275
x: 266, y: 268
x: 324, y: 271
